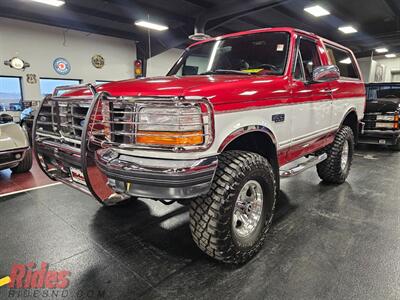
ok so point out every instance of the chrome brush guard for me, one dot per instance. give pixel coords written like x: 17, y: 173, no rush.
x: 59, y: 132
x: 68, y: 130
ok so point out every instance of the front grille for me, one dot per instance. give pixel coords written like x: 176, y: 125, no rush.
x: 62, y: 120
x: 115, y: 122
x: 373, y: 121
x: 122, y: 122
x: 370, y: 121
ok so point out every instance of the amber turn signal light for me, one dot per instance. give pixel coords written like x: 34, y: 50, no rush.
x: 170, y: 138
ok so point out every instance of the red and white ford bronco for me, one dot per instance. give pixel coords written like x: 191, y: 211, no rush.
x: 217, y: 132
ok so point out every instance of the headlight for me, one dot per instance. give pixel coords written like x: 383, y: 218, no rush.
x: 182, y: 126
x: 389, y: 118
x: 385, y: 125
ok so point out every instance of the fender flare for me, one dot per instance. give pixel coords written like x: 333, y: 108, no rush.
x: 357, y: 126
x: 244, y: 130
x: 351, y: 110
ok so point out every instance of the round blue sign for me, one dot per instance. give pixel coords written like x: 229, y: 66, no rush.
x: 61, y: 66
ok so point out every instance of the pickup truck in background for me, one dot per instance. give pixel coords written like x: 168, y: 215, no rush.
x: 218, y: 132
x: 381, y: 116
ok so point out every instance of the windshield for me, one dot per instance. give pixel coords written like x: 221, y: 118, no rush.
x: 384, y: 91
x: 262, y: 53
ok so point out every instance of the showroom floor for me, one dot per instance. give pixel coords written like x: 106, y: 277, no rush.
x: 12, y: 183
x: 327, y: 242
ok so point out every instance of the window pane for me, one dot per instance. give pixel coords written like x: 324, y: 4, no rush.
x: 98, y: 82
x: 386, y: 91
x: 344, y: 62
x: 47, y: 85
x: 298, y: 72
x: 10, y: 93
x: 310, y: 56
x: 259, y: 53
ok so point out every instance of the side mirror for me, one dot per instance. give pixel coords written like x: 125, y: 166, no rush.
x: 325, y: 74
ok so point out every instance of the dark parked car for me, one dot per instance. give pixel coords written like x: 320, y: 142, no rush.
x: 381, y: 116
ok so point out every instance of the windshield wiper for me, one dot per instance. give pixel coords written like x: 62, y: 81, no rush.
x: 221, y: 71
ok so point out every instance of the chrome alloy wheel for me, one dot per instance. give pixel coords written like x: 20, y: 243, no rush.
x: 248, y: 209
x: 345, y: 155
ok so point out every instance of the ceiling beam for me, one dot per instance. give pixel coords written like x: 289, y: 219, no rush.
x: 57, y: 21
x: 97, y: 13
x: 141, y: 11
x: 253, y: 22
x: 238, y: 9
x: 395, y: 8
x: 201, y: 3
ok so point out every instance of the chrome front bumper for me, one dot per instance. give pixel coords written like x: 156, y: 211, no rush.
x: 156, y: 178
x: 381, y: 137
x: 71, y: 140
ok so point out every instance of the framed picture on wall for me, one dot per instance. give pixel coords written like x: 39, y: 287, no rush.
x: 379, y: 73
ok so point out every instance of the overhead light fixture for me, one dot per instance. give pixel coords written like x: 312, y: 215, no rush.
x: 347, y: 29
x: 57, y: 3
x: 150, y: 25
x: 381, y: 50
x: 391, y: 55
x: 317, y: 11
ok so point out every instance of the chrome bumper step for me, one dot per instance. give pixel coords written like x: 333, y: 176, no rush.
x: 301, y: 167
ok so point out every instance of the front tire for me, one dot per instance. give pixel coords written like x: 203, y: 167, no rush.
x: 336, y: 167
x: 230, y: 223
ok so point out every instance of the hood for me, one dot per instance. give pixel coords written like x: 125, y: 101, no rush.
x: 383, y: 105
x: 12, y: 136
x: 220, y: 89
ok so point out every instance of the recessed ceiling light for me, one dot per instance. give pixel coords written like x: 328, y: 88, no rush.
x: 390, y: 55
x: 57, y: 3
x: 150, y: 25
x: 347, y: 29
x: 317, y: 11
x: 381, y: 50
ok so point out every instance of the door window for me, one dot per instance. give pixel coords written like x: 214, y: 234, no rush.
x: 298, y: 69
x: 310, y: 57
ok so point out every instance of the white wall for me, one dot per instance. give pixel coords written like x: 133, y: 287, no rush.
x: 160, y: 64
x: 392, y: 64
x: 368, y: 67
x: 39, y: 45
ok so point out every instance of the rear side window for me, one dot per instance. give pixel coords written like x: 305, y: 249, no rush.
x: 344, y: 61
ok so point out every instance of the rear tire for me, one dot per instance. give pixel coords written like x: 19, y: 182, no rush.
x: 25, y: 165
x: 230, y: 223
x: 336, y: 167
